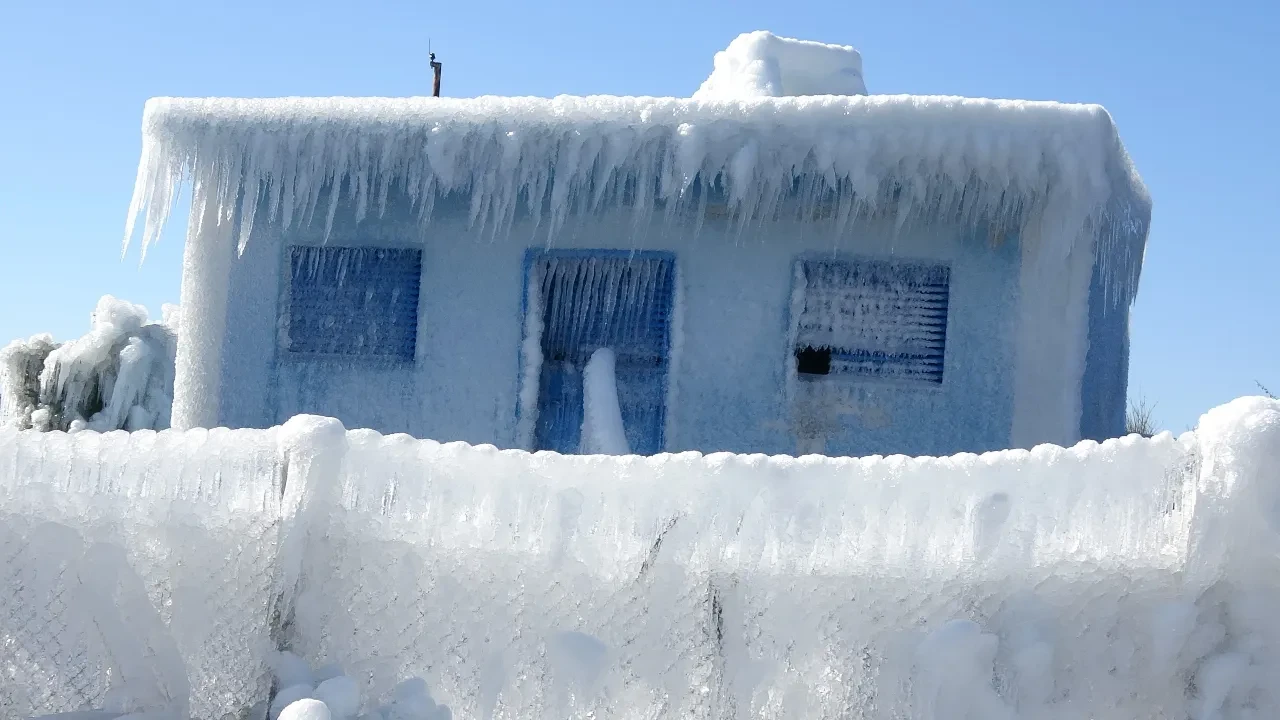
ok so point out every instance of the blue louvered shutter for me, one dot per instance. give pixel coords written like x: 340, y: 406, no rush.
x: 874, y: 319
x: 353, y: 302
x: 590, y: 301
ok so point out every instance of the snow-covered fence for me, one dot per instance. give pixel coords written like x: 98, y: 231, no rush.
x: 137, y: 570
x: 1129, y: 579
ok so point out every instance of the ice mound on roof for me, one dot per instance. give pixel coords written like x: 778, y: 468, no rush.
x: 761, y: 64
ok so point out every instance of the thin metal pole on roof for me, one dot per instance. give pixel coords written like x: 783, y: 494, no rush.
x: 435, y: 69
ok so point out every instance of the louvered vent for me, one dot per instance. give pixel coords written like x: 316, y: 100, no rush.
x: 360, y: 302
x: 873, y: 319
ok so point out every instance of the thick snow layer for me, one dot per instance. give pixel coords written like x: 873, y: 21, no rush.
x: 118, y: 376
x: 1055, y: 173
x: 761, y: 64
x: 1134, y: 578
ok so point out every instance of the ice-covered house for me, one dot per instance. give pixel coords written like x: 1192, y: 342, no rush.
x: 838, y: 273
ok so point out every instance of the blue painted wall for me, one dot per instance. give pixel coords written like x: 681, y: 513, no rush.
x: 730, y: 362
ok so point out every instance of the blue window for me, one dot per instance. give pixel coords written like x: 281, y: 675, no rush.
x: 353, y: 302
x: 872, y: 319
x: 588, y: 301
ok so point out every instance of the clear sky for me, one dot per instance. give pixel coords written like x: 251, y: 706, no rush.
x: 1192, y: 85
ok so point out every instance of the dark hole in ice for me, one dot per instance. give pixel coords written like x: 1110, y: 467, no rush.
x: 813, y: 361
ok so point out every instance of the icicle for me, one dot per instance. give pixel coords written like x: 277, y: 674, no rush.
x: 903, y: 158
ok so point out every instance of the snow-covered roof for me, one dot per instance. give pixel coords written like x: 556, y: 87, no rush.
x: 1057, y: 173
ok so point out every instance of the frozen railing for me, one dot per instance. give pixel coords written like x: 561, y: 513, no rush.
x: 1122, y: 580
x: 137, y: 570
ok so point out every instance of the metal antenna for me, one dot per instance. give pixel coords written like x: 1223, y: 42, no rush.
x: 435, y: 70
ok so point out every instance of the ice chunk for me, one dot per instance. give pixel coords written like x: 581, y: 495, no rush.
x: 602, y: 430
x: 21, y: 362
x: 290, y: 670
x: 954, y: 680
x: 287, y: 697
x: 579, y: 659
x: 761, y: 64
x: 411, y: 700
x: 306, y: 710
x: 341, y: 695
x: 1215, y: 681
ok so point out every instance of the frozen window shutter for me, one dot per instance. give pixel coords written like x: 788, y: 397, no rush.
x: 354, y: 302
x: 874, y: 319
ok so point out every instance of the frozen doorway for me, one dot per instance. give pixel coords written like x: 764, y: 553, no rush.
x: 587, y: 300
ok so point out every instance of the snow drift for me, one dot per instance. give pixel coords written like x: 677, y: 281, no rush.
x: 118, y: 376
x: 1129, y: 579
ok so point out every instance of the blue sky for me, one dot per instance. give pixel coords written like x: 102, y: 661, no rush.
x: 1193, y: 87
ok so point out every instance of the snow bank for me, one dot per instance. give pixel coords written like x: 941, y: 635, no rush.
x: 118, y: 376
x: 761, y: 64
x: 1055, y: 172
x: 1129, y: 579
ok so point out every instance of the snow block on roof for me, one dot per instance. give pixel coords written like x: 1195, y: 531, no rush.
x: 761, y: 64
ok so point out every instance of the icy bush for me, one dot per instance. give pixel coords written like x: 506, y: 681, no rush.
x: 119, y: 376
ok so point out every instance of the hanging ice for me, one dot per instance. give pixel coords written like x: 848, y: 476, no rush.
x: 1057, y: 169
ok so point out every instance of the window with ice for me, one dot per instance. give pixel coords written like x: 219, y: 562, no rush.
x: 872, y: 319
x: 587, y: 300
x: 353, y: 302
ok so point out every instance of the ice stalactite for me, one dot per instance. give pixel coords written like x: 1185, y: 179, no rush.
x: 999, y: 164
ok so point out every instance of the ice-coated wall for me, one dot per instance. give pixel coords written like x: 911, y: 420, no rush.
x: 730, y: 356
x: 1133, y: 578
x: 1054, y: 175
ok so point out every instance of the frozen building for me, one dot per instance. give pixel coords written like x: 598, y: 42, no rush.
x: 835, y: 273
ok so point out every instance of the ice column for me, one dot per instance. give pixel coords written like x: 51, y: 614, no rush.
x: 602, y: 429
